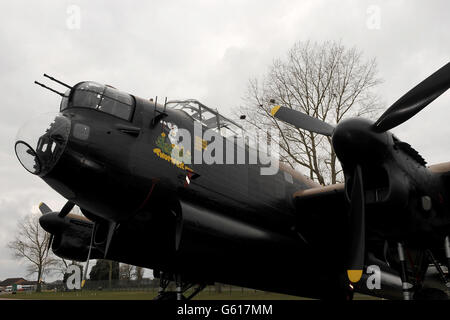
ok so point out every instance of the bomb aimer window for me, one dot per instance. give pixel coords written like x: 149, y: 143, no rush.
x: 102, y: 98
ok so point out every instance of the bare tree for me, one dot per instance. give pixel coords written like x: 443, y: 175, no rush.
x: 126, y: 271
x: 323, y: 80
x: 138, y: 273
x: 61, y: 267
x: 31, y: 244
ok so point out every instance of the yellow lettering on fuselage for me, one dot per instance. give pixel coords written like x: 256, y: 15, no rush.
x: 168, y: 158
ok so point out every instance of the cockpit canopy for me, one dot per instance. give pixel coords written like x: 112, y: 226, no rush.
x: 99, y: 97
x: 207, y: 117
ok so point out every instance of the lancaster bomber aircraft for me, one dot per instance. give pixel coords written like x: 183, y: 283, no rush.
x: 147, y: 202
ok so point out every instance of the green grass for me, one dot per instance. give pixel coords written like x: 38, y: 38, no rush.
x: 84, y: 295
x: 246, y: 295
x: 149, y: 295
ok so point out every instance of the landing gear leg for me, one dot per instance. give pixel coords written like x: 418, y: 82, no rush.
x: 196, y: 291
x: 406, y: 285
x: 179, y: 288
x: 163, y: 283
x: 438, y: 268
x: 447, y: 255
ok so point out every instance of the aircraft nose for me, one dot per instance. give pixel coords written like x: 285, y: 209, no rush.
x: 41, y: 141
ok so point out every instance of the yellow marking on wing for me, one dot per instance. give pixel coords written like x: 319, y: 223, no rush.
x: 274, y: 110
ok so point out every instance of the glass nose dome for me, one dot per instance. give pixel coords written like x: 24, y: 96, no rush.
x: 41, y: 141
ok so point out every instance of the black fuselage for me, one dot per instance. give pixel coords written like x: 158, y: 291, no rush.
x: 229, y: 224
x: 209, y: 222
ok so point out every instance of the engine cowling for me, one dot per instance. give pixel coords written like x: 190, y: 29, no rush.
x: 72, y: 235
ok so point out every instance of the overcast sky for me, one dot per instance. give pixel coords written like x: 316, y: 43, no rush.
x: 199, y: 49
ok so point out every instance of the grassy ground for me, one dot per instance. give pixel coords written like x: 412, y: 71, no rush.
x: 149, y: 295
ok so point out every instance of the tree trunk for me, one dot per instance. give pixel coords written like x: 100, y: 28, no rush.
x: 38, y: 286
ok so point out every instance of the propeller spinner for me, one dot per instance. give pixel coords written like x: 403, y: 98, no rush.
x: 64, y: 212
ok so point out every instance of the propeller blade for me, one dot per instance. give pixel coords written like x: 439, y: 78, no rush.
x: 301, y: 120
x: 357, y: 228
x: 66, y: 209
x: 415, y: 100
x: 50, y: 242
x: 111, y: 229
x: 44, y: 208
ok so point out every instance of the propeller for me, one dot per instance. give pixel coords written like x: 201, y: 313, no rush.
x: 66, y: 209
x: 357, y: 141
x: 44, y: 210
x: 64, y: 212
x: 415, y: 100
x: 302, y: 120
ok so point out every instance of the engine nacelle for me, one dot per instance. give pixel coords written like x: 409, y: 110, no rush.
x: 72, y: 235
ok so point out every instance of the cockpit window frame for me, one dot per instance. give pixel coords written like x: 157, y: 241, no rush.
x: 201, y: 108
x: 69, y: 105
x: 132, y: 105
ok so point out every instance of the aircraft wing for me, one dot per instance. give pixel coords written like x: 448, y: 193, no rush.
x: 321, y: 211
x: 321, y: 200
x: 441, y: 168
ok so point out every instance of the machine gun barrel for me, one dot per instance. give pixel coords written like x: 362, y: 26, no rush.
x: 48, y: 88
x: 57, y: 81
